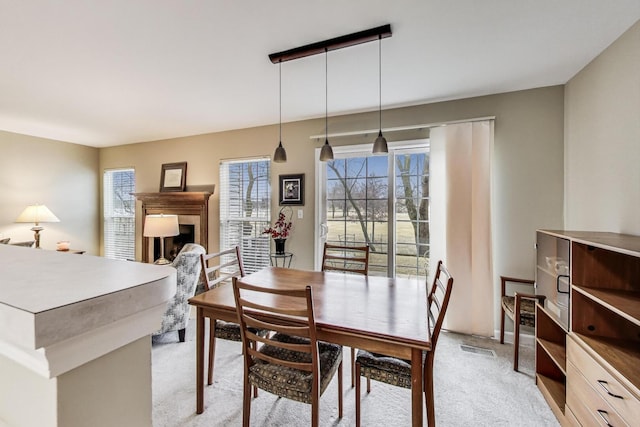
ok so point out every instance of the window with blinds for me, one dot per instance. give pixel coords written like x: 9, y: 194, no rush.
x: 245, y: 209
x: 119, y: 213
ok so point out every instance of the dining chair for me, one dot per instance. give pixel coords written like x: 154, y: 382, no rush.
x: 347, y: 259
x: 290, y: 361
x: 219, y: 268
x: 397, y: 372
x: 521, y: 308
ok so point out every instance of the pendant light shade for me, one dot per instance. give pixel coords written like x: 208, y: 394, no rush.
x: 326, y: 153
x: 380, y: 144
x: 280, y: 155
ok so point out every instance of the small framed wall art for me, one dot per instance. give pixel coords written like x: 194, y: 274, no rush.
x: 292, y: 189
x: 173, y: 177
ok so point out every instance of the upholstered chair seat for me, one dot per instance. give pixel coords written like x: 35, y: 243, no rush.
x: 386, y: 369
x: 527, y: 310
x: 293, y: 383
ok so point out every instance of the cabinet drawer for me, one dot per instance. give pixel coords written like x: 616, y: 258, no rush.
x: 604, y: 383
x: 586, y: 404
x: 570, y: 419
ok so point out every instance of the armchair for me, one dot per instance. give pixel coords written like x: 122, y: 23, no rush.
x: 521, y: 308
x: 188, y: 275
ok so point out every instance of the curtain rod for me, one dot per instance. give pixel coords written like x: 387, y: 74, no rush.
x: 402, y: 128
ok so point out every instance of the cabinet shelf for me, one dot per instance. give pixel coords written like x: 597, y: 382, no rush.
x: 554, y: 392
x: 622, y: 303
x: 556, y: 352
x: 622, y: 356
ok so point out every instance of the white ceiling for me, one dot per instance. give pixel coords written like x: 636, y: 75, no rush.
x: 121, y: 71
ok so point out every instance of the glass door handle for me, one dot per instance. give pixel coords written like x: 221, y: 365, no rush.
x: 558, y: 283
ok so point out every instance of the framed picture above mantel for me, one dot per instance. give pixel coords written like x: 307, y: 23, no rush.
x: 173, y: 177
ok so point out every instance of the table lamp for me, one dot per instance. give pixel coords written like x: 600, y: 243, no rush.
x: 161, y: 226
x: 37, y: 214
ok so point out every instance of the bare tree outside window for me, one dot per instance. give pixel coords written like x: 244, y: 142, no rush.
x: 358, y: 194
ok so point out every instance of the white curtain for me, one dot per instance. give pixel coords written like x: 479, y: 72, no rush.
x: 460, y: 221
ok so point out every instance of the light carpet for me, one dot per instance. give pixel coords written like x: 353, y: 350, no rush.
x: 470, y: 389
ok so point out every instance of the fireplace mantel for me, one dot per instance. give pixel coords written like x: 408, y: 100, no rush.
x: 176, y: 203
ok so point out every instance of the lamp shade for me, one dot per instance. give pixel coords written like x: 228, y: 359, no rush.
x: 37, y: 214
x: 161, y: 226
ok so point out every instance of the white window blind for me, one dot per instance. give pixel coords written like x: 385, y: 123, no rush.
x: 119, y: 213
x: 245, y: 203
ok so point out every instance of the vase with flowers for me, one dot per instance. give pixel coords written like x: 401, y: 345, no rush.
x: 279, y: 231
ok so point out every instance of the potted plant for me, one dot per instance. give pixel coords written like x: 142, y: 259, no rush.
x: 279, y: 231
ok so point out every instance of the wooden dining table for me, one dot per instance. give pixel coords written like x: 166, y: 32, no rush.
x: 377, y: 314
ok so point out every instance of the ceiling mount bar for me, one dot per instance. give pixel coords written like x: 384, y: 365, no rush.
x: 332, y: 44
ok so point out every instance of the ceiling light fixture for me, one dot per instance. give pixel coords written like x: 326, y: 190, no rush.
x: 326, y: 153
x: 380, y: 144
x: 325, y: 46
x: 280, y: 155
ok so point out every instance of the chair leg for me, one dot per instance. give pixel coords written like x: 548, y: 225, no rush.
x: 516, y: 340
x: 428, y: 391
x: 315, y: 411
x: 181, y: 333
x: 502, y: 314
x: 368, y: 385
x: 358, y: 386
x: 353, y: 363
x: 246, y: 401
x: 212, y: 349
x: 255, y: 389
x: 340, y: 390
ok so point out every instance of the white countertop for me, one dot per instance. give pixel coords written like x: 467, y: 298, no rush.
x: 49, y: 299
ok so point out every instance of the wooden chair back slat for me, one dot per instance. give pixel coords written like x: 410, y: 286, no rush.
x: 261, y: 307
x: 217, y: 269
x: 349, y: 259
x: 436, y: 307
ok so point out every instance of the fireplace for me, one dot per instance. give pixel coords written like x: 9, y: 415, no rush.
x: 173, y: 244
x: 192, y: 209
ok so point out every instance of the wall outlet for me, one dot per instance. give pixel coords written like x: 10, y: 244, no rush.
x: 300, y: 214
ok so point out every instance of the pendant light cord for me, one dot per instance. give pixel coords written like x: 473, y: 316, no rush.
x: 280, y: 88
x: 326, y: 95
x: 380, y: 82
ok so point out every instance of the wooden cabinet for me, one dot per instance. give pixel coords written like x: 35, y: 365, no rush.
x: 593, y: 376
x: 551, y: 359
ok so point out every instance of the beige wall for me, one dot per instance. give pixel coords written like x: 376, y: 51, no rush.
x: 602, y: 140
x: 528, y: 165
x: 60, y: 175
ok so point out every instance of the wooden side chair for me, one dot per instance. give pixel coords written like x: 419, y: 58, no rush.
x: 348, y: 259
x: 394, y: 371
x: 291, y: 363
x: 521, y: 308
x: 219, y: 268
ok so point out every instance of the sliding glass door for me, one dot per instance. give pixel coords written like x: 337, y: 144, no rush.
x: 382, y: 201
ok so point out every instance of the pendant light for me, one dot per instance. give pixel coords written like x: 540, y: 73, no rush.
x: 326, y: 153
x: 380, y: 144
x: 280, y: 155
